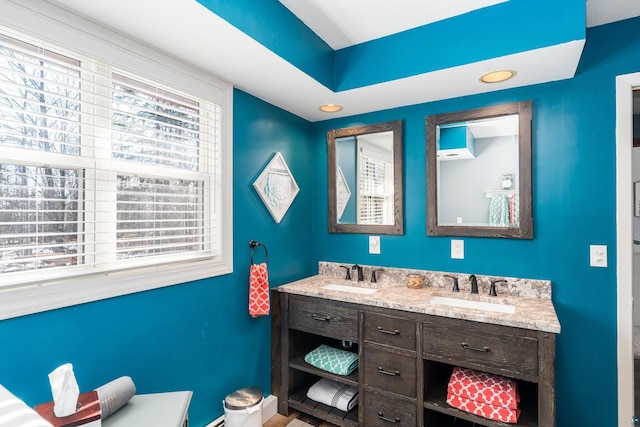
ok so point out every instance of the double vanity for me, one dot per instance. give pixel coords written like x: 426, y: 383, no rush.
x: 408, y: 342
x: 410, y: 338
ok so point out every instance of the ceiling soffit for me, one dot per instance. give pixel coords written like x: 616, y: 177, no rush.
x: 491, y: 32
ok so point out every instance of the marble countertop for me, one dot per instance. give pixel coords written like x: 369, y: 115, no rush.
x: 530, y: 313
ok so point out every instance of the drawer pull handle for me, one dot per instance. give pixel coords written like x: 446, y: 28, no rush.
x: 392, y: 374
x: 396, y: 420
x: 384, y: 331
x: 320, y: 318
x: 481, y: 350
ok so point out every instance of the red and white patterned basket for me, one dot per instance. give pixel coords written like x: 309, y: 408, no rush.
x: 486, y: 395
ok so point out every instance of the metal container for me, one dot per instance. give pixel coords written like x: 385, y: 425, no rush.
x: 243, y: 408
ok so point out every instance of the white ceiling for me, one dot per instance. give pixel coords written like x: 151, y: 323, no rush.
x: 186, y: 29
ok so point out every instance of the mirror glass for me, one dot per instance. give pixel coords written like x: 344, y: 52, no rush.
x: 365, y: 179
x: 479, y: 172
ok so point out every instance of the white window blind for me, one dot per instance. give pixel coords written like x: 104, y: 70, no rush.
x: 100, y: 170
x: 375, y: 201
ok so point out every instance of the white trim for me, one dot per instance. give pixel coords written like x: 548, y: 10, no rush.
x: 226, y: 180
x: 269, y: 407
x: 624, y: 245
x: 66, y: 292
x: 217, y: 422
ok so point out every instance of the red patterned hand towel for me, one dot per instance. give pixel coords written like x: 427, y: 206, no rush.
x: 482, y: 387
x: 258, y: 290
x: 485, y: 410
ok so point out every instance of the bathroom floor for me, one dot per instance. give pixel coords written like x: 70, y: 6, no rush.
x: 281, y: 421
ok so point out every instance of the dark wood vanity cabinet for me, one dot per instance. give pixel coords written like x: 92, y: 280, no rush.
x: 405, y: 362
x: 522, y: 354
x: 390, y: 365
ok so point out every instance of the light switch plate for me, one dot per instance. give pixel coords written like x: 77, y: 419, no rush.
x: 457, y: 249
x: 598, y: 255
x: 374, y: 244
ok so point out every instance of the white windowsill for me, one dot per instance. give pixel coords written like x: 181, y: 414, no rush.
x: 67, y: 292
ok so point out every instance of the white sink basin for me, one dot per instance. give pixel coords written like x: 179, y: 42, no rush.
x: 351, y: 289
x: 497, y: 306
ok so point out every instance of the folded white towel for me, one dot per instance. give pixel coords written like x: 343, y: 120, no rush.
x: 332, y: 393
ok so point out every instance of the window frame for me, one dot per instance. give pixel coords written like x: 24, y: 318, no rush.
x: 368, y: 154
x: 66, y: 31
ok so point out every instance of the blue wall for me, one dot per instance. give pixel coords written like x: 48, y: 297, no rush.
x: 574, y: 206
x: 196, y: 336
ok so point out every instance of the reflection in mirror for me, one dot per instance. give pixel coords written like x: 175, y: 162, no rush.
x: 479, y: 167
x: 365, y: 179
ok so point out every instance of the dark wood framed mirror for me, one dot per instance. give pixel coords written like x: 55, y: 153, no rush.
x: 366, y: 179
x: 479, y: 172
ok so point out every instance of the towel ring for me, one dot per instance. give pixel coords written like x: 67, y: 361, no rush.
x: 253, y: 244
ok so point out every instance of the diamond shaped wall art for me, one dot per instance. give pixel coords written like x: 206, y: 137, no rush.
x: 277, y: 187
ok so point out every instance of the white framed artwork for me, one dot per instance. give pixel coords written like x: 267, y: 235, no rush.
x: 276, y: 187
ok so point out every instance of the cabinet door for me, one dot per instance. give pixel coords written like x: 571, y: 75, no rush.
x: 382, y: 410
x: 390, y: 330
x: 390, y: 371
x: 323, y: 317
x: 495, y: 348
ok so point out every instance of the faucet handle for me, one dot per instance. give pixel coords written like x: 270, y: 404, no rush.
x: 492, y: 288
x: 348, y: 275
x: 455, y: 283
x: 374, y: 278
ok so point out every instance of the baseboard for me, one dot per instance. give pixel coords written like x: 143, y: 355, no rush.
x: 217, y: 422
x: 269, y: 409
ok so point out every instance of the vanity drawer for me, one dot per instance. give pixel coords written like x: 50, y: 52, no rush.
x: 389, y: 371
x: 323, y: 317
x: 390, y: 330
x: 481, y: 345
x: 385, y: 410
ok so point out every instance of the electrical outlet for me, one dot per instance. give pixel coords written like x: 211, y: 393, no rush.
x: 457, y: 249
x: 598, y: 255
x: 374, y: 244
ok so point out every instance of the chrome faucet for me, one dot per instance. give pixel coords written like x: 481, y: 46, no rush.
x: 360, y: 272
x: 474, y: 284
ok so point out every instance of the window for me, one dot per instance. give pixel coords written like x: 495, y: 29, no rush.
x: 375, y: 201
x: 104, y: 172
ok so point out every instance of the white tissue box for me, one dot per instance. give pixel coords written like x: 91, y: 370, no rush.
x: 87, y: 415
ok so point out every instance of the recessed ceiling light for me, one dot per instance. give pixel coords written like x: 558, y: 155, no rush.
x: 330, y: 108
x: 497, y: 76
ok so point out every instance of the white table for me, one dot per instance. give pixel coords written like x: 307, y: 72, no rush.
x: 157, y: 410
